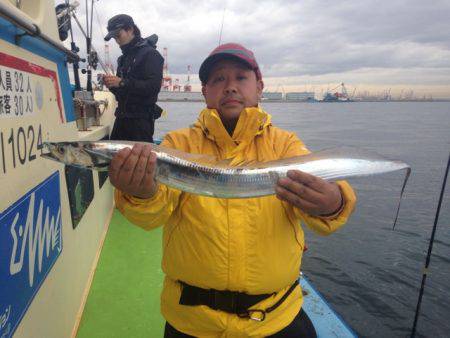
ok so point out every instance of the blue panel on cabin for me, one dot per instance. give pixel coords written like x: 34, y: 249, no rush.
x: 30, y: 244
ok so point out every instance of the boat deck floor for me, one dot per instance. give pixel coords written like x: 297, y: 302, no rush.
x: 124, y: 297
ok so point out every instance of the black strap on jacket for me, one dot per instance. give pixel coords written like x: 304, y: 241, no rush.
x: 230, y: 301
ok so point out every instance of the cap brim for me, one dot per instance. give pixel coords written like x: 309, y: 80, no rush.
x: 211, y: 60
x: 111, y: 34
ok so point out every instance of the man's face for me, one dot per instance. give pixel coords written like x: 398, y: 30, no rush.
x: 124, y: 36
x: 231, y: 87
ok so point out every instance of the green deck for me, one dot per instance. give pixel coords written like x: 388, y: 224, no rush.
x: 124, y: 297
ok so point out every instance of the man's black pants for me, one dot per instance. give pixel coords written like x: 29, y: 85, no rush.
x: 131, y: 129
x: 300, y: 327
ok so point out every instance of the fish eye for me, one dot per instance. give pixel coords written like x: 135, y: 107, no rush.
x: 61, y: 150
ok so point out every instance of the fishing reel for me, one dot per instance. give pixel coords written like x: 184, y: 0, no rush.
x: 92, y: 60
x: 63, y: 20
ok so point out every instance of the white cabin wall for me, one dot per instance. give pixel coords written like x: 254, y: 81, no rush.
x: 55, y: 310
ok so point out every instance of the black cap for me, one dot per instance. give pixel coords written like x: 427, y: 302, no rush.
x: 116, y: 23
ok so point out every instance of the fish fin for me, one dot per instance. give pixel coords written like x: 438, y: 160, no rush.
x: 97, y: 153
x: 204, y: 159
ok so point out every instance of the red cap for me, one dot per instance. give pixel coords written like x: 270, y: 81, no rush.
x: 233, y: 51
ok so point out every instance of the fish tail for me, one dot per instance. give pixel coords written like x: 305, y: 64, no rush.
x: 408, y: 172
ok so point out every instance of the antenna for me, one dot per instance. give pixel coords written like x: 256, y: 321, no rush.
x: 221, y: 26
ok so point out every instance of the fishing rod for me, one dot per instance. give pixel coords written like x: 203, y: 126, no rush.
x: 430, y: 248
x: 74, y: 48
x: 88, y: 46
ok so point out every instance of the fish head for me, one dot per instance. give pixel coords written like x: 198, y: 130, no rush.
x: 69, y: 153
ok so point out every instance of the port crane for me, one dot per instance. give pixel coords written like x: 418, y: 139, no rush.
x: 343, y: 94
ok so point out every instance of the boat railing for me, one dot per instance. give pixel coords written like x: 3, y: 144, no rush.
x: 17, y: 17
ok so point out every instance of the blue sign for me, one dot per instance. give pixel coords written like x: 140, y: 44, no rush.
x: 30, y: 243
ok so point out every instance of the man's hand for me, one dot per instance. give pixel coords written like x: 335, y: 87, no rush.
x: 309, y: 193
x: 111, y: 81
x: 132, y: 171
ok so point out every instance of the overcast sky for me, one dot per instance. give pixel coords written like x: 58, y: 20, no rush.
x: 301, y: 45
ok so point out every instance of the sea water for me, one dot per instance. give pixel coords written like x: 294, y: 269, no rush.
x: 369, y: 273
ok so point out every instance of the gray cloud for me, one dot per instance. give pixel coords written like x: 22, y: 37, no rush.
x: 299, y: 38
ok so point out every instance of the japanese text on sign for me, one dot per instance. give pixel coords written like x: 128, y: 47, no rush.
x: 16, y: 93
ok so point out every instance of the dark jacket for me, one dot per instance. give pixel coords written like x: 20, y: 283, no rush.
x: 140, y: 67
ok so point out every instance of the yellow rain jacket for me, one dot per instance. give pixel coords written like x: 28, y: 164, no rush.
x: 250, y: 245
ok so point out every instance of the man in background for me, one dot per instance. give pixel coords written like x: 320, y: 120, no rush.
x: 137, y: 83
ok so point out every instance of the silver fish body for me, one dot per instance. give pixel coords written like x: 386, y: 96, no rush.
x: 206, y: 175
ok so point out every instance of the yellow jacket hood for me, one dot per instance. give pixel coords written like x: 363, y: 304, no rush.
x: 251, y: 123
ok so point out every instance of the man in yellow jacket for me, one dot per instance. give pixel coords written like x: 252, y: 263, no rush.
x: 231, y: 265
